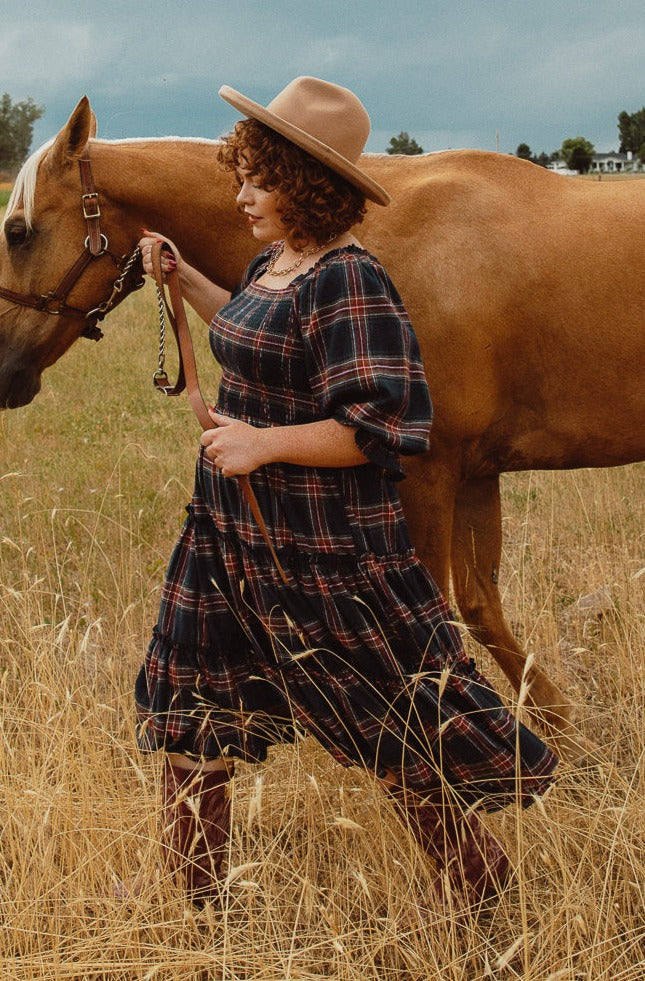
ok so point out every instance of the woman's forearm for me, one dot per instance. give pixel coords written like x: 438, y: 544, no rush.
x: 205, y: 297
x: 237, y: 447
x: 327, y: 443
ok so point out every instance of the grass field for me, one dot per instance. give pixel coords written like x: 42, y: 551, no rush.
x: 613, y: 177
x: 324, y: 882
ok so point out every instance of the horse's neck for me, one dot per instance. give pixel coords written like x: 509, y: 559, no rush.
x: 175, y: 187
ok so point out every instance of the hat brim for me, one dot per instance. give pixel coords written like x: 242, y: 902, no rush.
x: 315, y: 147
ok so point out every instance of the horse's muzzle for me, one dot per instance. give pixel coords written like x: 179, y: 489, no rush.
x: 18, y: 388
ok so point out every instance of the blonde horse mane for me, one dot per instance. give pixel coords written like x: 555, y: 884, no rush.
x: 25, y: 187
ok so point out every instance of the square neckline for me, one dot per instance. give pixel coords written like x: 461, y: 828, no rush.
x: 271, y: 249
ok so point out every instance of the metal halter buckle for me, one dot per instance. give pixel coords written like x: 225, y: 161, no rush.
x: 91, y: 201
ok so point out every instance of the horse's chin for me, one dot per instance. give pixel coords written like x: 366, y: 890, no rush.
x: 22, y: 389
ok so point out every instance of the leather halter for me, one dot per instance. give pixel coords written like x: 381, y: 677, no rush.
x: 130, y: 276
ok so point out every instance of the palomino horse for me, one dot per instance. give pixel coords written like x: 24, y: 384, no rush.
x: 526, y: 290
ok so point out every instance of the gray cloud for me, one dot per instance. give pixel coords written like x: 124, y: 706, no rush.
x: 451, y: 73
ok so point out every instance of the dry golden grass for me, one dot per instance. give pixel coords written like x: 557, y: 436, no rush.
x: 638, y: 176
x: 94, y: 475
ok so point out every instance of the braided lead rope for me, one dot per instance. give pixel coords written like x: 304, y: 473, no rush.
x: 160, y: 374
x: 134, y: 256
x: 100, y: 312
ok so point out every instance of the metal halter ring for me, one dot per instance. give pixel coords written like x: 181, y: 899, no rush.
x: 104, y: 243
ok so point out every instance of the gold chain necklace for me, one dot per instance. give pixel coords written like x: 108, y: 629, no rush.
x: 272, y: 271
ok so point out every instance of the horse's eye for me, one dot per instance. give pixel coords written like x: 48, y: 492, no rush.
x: 16, y: 231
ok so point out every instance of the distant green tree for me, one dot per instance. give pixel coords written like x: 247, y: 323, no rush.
x: 580, y: 160
x: 577, y: 152
x: 16, y: 130
x: 403, y: 143
x: 631, y: 128
x: 524, y: 153
x: 641, y: 153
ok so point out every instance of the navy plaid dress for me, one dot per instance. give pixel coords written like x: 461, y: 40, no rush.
x: 359, y: 649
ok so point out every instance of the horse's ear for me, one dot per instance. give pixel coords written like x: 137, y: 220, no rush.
x: 93, y: 127
x: 73, y: 136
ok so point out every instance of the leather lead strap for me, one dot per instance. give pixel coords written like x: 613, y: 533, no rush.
x: 188, y: 373
x: 177, y: 315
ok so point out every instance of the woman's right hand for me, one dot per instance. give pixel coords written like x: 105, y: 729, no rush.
x: 168, y: 262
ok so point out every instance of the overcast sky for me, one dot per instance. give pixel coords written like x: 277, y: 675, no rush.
x: 453, y: 73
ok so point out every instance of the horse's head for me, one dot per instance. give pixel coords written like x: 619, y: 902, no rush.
x: 56, y: 264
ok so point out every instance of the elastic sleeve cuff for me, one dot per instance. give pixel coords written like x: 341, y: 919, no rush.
x: 378, y: 453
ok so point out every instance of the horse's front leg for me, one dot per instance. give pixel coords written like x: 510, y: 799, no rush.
x: 476, y: 554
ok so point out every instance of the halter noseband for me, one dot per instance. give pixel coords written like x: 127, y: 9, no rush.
x: 130, y: 276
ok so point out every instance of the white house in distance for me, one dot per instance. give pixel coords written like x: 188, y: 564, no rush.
x: 615, y: 163
x: 605, y: 163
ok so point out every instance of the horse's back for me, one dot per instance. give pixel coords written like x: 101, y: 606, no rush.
x: 527, y: 288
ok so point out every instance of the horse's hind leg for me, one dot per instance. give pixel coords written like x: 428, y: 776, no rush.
x: 428, y: 497
x: 476, y: 553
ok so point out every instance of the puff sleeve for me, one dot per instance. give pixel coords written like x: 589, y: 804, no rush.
x: 363, y: 360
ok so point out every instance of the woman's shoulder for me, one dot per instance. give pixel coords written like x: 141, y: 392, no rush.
x: 346, y: 263
x: 346, y: 256
x: 348, y: 269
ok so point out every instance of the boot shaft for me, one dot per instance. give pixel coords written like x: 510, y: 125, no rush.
x: 473, y: 860
x: 196, y: 825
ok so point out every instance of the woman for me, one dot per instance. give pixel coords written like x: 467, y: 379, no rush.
x: 322, y: 389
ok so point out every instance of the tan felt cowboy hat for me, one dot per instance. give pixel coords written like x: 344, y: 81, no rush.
x: 326, y: 120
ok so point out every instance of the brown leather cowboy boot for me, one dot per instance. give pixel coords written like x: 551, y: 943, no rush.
x: 475, y: 863
x: 197, y: 816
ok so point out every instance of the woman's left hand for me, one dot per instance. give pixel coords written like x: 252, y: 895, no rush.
x: 233, y: 446
x: 168, y: 262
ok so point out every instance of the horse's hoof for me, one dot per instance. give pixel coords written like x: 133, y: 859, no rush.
x: 573, y: 747
x: 134, y: 886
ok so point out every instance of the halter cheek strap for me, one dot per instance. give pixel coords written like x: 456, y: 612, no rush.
x: 91, y: 206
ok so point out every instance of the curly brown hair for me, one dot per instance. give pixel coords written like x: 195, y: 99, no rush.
x: 314, y: 203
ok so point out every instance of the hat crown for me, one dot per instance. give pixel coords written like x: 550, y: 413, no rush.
x: 328, y: 112
x: 326, y: 120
